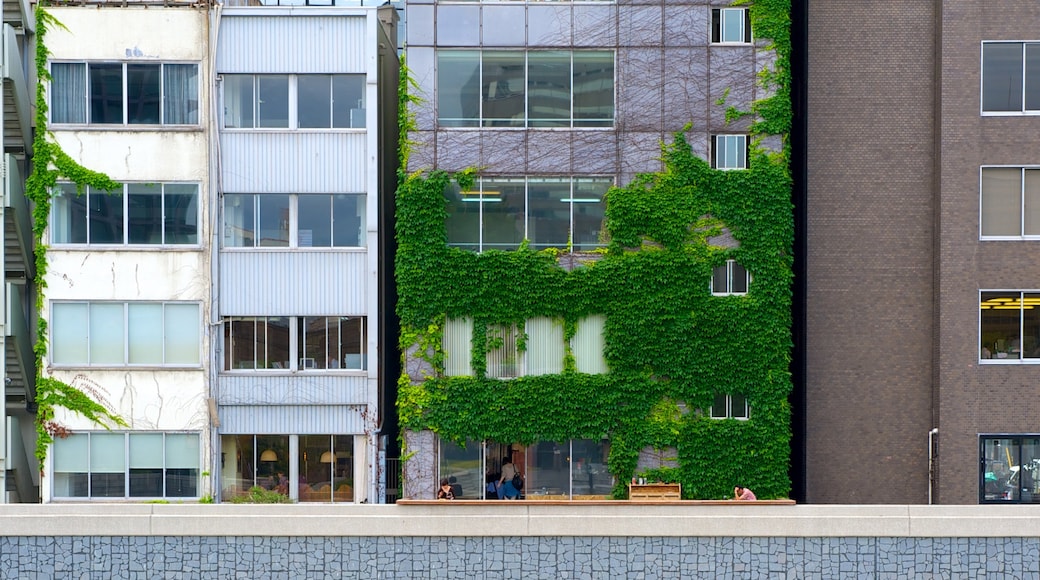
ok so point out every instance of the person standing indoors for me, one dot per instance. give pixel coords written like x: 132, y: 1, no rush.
x: 506, y: 489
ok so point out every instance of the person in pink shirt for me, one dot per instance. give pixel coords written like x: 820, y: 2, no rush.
x: 743, y: 493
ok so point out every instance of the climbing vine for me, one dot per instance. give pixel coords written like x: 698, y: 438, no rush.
x: 670, y: 345
x: 49, y: 163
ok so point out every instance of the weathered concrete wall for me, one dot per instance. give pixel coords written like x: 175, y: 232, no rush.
x: 466, y: 540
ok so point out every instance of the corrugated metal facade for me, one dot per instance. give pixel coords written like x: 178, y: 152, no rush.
x: 292, y: 419
x: 299, y: 44
x: 302, y: 389
x: 293, y: 162
x: 300, y: 283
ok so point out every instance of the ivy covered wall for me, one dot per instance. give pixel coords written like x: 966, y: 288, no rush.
x: 669, y: 343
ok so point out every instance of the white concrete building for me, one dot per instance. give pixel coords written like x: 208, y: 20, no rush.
x: 128, y: 287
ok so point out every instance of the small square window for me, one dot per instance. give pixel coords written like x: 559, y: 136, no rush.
x: 729, y: 152
x: 729, y: 406
x: 730, y: 25
x: 729, y: 278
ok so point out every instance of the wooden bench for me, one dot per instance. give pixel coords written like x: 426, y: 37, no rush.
x: 654, y: 491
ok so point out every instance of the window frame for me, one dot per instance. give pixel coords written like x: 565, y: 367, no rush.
x: 481, y: 197
x: 293, y: 232
x: 729, y: 412
x: 730, y: 265
x: 164, y: 100
x: 1024, y: 110
x: 298, y: 361
x: 293, y: 103
x: 67, y: 188
x: 1022, y: 208
x: 718, y: 26
x: 482, y: 121
x: 127, y: 467
x: 1004, y: 493
x: 126, y: 330
x: 1008, y: 347
x: 720, y: 148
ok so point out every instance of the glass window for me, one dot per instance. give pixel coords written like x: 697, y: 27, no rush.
x: 1010, y: 202
x: 124, y: 93
x: 1009, y: 469
x: 135, y: 214
x: 461, y: 466
x: 102, y: 464
x: 729, y: 406
x: 730, y: 152
x: 272, y: 106
x: 1009, y: 326
x: 314, y: 101
x: 321, y: 220
x: 458, y: 338
x: 588, y: 345
x: 730, y: 25
x: 502, y: 88
x: 125, y: 333
x: 326, y: 468
x: 498, y: 213
x: 1010, y: 77
x: 729, y: 278
x: 458, y: 88
x: 545, y: 351
x: 504, y: 360
x: 238, y: 101
x: 348, y: 101
x: 498, y: 88
x: 322, y: 343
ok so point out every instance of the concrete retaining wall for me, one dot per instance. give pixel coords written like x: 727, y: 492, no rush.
x: 516, y: 540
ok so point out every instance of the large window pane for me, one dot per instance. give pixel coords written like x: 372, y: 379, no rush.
x: 549, y: 88
x: 71, y: 465
x: 107, y: 465
x: 314, y: 214
x: 348, y: 101
x: 460, y: 465
x: 144, y: 333
x: 1001, y: 325
x: 273, y: 102
x: 69, y: 333
x: 183, y: 329
x: 69, y: 92
x: 106, y: 333
x: 239, y: 216
x: 240, y: 343
x: 590, y: 474
x: 106, y: 93
x: 589, y: 208
x: 348, y: 220
x: 593, y: 89
x: 588, y: 345
x: 144, y: 213
x: 182, y: 464
x: 181, y: 94
x: 238, y: 101
x: 463, y: 221
x: 142, y: 93
x: 314, y: 101
x: 353, y: 342
x: 274, y: 220
x: 458, y: 88
x: 1031, y: 202
x: 146, y: 464
x: 314, y: 342
x: 548, y: 470
x: 1032, y: 80
x: 503, y: 205
x: 502, y: 88
x: 181, y: 213
x: 549, y: 218
x: 1002, y: 76
x: 1001, y: 201
x: 544, y: 346
x: 106, y: 216
x: 69, y: 224
x: 275, y: 343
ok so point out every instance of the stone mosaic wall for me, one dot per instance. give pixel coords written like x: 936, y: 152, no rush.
x: 259, y: 558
